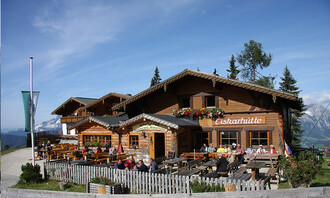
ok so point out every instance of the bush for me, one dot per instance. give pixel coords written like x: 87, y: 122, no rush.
x: 197, y: 187
x: 30, y: 174
x: 302, y: 169
x: 102, y: 180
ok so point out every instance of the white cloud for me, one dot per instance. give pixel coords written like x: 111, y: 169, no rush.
x: 317, y: 97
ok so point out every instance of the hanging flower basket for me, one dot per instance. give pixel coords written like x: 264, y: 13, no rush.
x: 213, y: 113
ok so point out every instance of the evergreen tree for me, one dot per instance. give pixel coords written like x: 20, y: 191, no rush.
x: 156, y: 78
x: 233, y: 69
x: 288, y: 84
x: 198, y: 69
x: 266, y: 81
x: 215, y: 72
x: 252, y: 58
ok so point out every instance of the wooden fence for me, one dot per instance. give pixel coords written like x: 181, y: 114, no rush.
x: 139, y: 182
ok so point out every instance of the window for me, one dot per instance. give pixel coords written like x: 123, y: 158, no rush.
x: 259, y: 138
x: 210, y: 101
x: 200, y: 139
x: 99, y: 138
x: 228, y: 138
x: 134, y: 141
x: 185, y: 102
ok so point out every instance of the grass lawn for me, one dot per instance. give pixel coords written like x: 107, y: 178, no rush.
x: 323, y: 180
x: 9, y: 151
x: 52, y: 185
x: 320, y: 180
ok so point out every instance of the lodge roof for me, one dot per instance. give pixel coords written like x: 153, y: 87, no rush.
x: 80, y: 100
x: 167, y: 120
x: 111, y: 94
x: 214, y: 79
x: 106, y: 121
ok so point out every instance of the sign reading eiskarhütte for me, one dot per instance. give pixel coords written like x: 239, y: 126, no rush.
x: 240, y: 121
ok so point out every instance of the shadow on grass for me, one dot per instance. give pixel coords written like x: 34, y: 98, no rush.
x: 318, y: 184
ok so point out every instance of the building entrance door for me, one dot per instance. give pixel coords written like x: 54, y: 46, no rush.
x: 157, y: 145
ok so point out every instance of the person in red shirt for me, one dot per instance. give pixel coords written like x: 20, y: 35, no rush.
x: 271, y: 150
x: 99, y: 150
x: 130, y: 164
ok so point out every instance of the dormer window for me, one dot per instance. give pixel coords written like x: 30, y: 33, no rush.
x: 185, y: 103
x: 210, y: 101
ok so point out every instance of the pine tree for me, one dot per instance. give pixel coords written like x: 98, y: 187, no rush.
x: 252, y: 58
x: 288, y: 84
x: 156, y: 78
x: 266, y: 81
x: 233, y: 69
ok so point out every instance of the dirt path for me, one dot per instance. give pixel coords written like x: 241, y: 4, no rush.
x: 11, y: 166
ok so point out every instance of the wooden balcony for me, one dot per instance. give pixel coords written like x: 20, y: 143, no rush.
x: 71, y: 119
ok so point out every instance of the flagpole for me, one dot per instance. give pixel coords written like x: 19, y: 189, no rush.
x: 31, y: 110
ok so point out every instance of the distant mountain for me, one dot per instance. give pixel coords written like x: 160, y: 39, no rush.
x: 53, y: 124
x: 320, y: 135
x: 17, y: 138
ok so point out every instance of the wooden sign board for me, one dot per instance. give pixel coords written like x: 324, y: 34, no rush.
x: 240, y: 121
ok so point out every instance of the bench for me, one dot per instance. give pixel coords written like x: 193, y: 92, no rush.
x: 123, y: 157
x: 240, y: 176
x: 230, y: 168
x: 212, y: 174
x: 241, y: 170
x: 271, y: 172
x: 159, y: 161
x: 194, y: 163
x: 99, y: 157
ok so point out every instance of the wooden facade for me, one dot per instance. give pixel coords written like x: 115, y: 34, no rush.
x: 253, y: 115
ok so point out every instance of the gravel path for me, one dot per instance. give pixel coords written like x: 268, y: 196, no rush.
x: 11, y: 166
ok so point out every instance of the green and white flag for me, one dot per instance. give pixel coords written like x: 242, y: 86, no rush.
x: 27, y: 107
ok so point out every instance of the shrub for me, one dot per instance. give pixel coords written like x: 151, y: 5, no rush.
x: 93, y: 144
x: 197, y: 187
x: 102, y: 180
x: 30, y: 174
x: 302, y: 169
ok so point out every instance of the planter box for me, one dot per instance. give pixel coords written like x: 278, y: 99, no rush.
x: 113, y: 189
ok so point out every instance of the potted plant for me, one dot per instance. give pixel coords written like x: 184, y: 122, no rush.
x: 102, y: 185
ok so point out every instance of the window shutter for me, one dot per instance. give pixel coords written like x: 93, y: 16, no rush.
x: 217, y: 101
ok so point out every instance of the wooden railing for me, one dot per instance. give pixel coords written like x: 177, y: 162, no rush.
x: 139, y: 182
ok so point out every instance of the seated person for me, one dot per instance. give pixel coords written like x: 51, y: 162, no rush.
x: 106, y: 150
x: 87, y: 152
x: 272, y: 150
x: 221, y: 164
x: 211, y: 149
x: 39, y: 147
x: 261, y: 150
x: 220, y: 149
x: 250, y: 150
x: 227, y: 149
x: 113, y: 150
x: 230, y: 157
x: 241, y: 152
x: 153, y: 165
x: 99, y: 150
x: 130, y: 164
x: 142, y: 167
x: 203, y: 148
x: 119, y: 165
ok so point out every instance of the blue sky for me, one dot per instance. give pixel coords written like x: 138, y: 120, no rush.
x: 90, y: 48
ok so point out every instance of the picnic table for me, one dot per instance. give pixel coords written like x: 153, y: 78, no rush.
x: 192, y: 155
x: 270, y: 159
x: 239, y: 176
x: 209, y: 164
x: 189, y: 172
x: 255, y: 166
x: 172, y: 162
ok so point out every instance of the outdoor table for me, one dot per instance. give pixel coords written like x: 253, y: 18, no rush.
x: 191, y: 155
x: 171, y: 162
x: 255, y: 166
x: 209, y: 164
x: 189, y: 172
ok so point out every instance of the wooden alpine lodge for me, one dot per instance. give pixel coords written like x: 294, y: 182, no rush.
x: 180, y: 114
